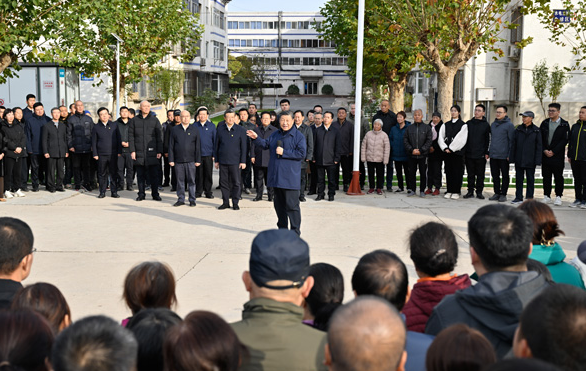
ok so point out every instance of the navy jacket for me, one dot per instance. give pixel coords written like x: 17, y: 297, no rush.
x: 396, y: 136
x: 527, y: 149
x: 80, y: 133
x: 123, y: 129
x: 55, y: 139
x: 34, y: 127
x: 326, y: 146
x: 231, y: 145
x: 308, y: 134
x: 260, y: 154
x: 346, y: 136
x: 207, y: 137
x: 501, y: 138
x: 558, y: 143
x: 106, y: 139
x: 184, y: 144
x: 284, y: 170
x: 146, y: 139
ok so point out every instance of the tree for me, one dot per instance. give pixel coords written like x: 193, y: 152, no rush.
x: 540, y: 82
x: 234, y: 66
x: 168, y: 87
x: 254, y: 71
x: 559, y: 78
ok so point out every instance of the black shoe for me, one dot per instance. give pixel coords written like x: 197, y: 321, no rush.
x: 257, y: 198
x: 115, y: 195
x: 494, y: 197
x: 166, y: 184
x: 346, y: 187
x: 173, y: 189
x: 399, y: 190
x: 310, y: 193
x: 198, y: 195
x: 302, y: 199
x: 140, y: 198
x: 502, y: 198
x: 35, y: 189
x: 52, y: 190
x: 179, y: 203
x: 60, y: 190
x: 390, y: 189
x: 247, y: 191
x: 223, y: 207
x: 270, y: 198
x: 479, y: 196
x: 319, y: 198
x: 469, y: 195
x: 129, y: 188
x: 101, y: 195
x: 236, y: 207
x: 210, y: 196
x: 330, y: 198
x: 24, y: 189
x: 192, y: 203
x: 157, y: 198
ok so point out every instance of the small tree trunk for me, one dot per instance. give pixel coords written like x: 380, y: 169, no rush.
x: 397, y: 94
x: 445, y: 85
x: 260, y: 96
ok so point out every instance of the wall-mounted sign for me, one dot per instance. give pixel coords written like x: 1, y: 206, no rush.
x: 562, y: 15
x: 48, y: 84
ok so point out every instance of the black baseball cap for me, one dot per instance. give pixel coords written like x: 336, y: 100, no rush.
x: 279, y: 254
x: 177, y: 112
x: 528, y: 114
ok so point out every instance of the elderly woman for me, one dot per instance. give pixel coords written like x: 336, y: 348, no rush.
x: 376, y: 150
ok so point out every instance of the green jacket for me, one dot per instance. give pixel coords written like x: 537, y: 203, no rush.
x: 277, y: 340
x: 553, y: 257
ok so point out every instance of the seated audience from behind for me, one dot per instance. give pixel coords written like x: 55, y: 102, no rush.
x: 545, y: 249
x: 539, y: 267
x: 95, y: 343
x: 500, y: 242
x: 149, y: 285
x: 46, y: 300
x: 553, y: 328
x: 459, y: 347
x: 202, y: 342
x: 149, y: 327
x: 522, y: 365
x: 579, y: 262
x: 382, y: 273
x: 325, y: 297
x: 366, y: 334
x: 434, y: 252
x: 16, y: 257
x: 25, y: 341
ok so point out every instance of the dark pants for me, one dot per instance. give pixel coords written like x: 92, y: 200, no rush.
x: 414, y: 163
x: 475, y: 167
x: 379, y: 169
x: 55, y: 171
x: 363, y: 174
x: 246, y: 174
x: 185, y: 171
x: 558, y: 173
x: 12, y: 167
x: 434, y: 172
x: 166, y: 172
x: 402, y: 169
x: 108, y: 165
x: 38, y: 164
x: 261, y: 174
x: 579, y: 172
x: 230, y: 183
x: 203, y: 176
x: 346, y: 161
x: 497, y: 168
x: 68, y: 169
x: 286, y: 205
x: 303, y: 179
x: 312, y: 178
x: 390, y: 175
x: 332, y: 172
x: 81, y: 169
x: 125, y: 170
x: 520, y: 177
x: 153, y: 173
x: 93, y: 179
x: 454, y: 172
x: 24, y: 168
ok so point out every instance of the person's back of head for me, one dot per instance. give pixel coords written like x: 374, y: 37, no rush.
x: 326, y: 295
x: 48, y: 301
x: 516, y: 364
x: 149, y: 327
x: 546, y: 227
x: 459, y: 348
x: 202, y: 342
x: 553, y: 328
x: 539, y: 267
x: 500, y: 236
x: 16, y: 246
x: 434, y: 249
x: 366, y: 334
x: 95, y: 343
x: 25, y: 341
x: 149, y: 285
x: 382, y: 273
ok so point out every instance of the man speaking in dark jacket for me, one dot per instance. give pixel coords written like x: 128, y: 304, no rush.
x: 287, y: 148
x: 106, y: 146
x: 146, y: 148
x: 184, y: 156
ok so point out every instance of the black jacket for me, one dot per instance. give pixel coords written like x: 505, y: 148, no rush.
x: 8, y: 288
x: 527, y: 149
x: 308, y: 134
x: 146, y: 139
x: 558, y: 142
x: 418, y: 136
x: 326, y: 146
x: 79, y: 135
x: 389, y: 120
x: 184, y: 144
x: 123, y: 129
x: 231, y: 145
x: 261, y: 156
x: 106, y: 139
x: 437, y: 154
x: 14, y: 137
x: 346, y: 136
x: 167, y: 134
x: 577, y: 145
x: 478, y: 138
x: 54, y: 140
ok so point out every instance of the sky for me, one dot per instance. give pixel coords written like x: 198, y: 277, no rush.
x: 275, y: 5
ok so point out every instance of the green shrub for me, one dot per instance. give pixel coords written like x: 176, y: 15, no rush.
x: 327, y: 89
x: 293, y: 90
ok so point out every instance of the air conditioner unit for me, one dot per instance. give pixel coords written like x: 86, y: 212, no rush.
x: 514, y: 52
x: 202, y: 62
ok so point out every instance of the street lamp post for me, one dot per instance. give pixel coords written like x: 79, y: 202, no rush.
x: 118, y: 41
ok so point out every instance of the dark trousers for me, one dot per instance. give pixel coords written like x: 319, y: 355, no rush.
x: 246, y: 174
x: 390, y: 175
x: 346, y: 161
x: 166, y: 171
x: 38, y: 165
x: 303, y: 183
x: 434, y: 172
x: 185, y: 171
x: 402, y: 169
x: 230, y: 183
x: 379, y: 169
x: 363, y: 174
x: 261, y: 174
x: 125, y: 170
x: 332, y: 172
x: 203, y: 176
x: 12, y: 167
x: 108, y: 165
x: 55, y: 172
x: 93, y: 179
x: 454, y: 172
x: 312, y: 178
x: 24, y: 168
x: 558, y: 174
x: 414, y: 163
x: 68, y: 169
x: 579, y: 172
x: 81, y: 169
x: 141, y: 174
x: 520, y: 177
x: 286, y: 205
x: 500, y: 168
x: 475, y: 168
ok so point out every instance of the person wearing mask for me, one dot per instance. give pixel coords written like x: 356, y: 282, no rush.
x: 308, y: 134
x: 207, y: 137
x: 477, y: 151
x: 452, y: 139
x: 327, y: 156
x: 398, y: 153
x: 54, y: 147
x: 554, y: 133
x: 435, y: 159
x: 389, y: 120
x: 502, y: 132
x: 79, y: 138
x: 317, y: 122
x: 14, y: 148
x: 417, y: 140
x: 260, y: 157
x: 375, y: 152
x: 577, y: 158
x: 106, y: 147
x: 125, y: 163
x: 34, y: 127
x: 526, y: 155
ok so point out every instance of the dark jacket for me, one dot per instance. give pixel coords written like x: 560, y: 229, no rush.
x: 501, y: 138
x: 326, y: 146
x: 184, y: 144
x: 8, y: 288
x: 396, y: 137
x: 167, y: 126
x: 79, y: 136
x: 417, y: 136
x: 577, y: 143
x: 492, y: 306
x: 260, y: 154
x: 146, y: 139
x: 308, y: 134
x: 123, y: 129
x: 246, y: 125
x: 389, y: 120
x: 346, y: 136
x: 417, y: 345
x: 14, y: 137
x: 33, y: 128
x: 54, y: 140
x: 231, y: 145
x: 478, y: 138
x: 558, y: 142
x: 453, y: 136
x: 207, y: 137
x: 527, y: 150
x: 437, y: 153
x: 106, y: 139
x: 284, y: 170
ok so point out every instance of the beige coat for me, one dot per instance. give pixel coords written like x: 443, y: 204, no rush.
x: 376, y: 147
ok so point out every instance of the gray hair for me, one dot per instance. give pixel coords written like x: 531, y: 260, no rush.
x: 379, y: 121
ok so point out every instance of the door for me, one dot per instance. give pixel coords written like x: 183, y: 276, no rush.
x: 310, y: 88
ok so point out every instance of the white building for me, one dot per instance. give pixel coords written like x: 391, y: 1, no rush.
x: 290, y: 45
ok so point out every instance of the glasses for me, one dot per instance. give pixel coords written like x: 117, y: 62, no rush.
x: 552, y: 110
x: 500, y: 112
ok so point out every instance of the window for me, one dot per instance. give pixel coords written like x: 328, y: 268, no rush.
x: 232, y: 25
x: 241, y: 25
x: 270, y: 24
x: 187, y: 84
x: 459, y: 86
x: 288, y: 25
x: 219, y: 19
x: 419, y: 79
x: 294, y: 25
x: 282, y: 24
x: 265, y: 25
x: 274, y: 43
x: 255, y: 43
x: 248, y: 43
x: 515, y: 85
x: 231, y: 41
x: 517, y: 33
x: 219, y: 50
x: 216, y: 83
x: 310, y: 88
x: 261, y: 43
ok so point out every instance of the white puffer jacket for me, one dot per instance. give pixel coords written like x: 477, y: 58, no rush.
x: 376, y: 147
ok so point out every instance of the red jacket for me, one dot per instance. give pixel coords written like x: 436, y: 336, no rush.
x: 426, y: 295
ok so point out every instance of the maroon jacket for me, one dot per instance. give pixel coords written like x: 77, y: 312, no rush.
x: 426, y: 295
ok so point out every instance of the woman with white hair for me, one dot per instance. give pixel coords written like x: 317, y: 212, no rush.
x: 376, y: 150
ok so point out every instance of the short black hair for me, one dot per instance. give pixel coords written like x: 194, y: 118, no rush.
x: 300, y: 111
x: 16, y: 242
x: 317, y: 105
x: 326, y: 295
x: 132, y: 110
x: 202, y: 109
x: 6, y: 112
x: 251, y: 104
x: 382, y: 273
x: 229, y: 110
x: 457, y: 108
x: 434, y: 249
x: 285, y: 113
x: 555, y: 105
x: 123, y: 107
x: 102, y: 109
x: 95, y: 343
x: 2, y: 107
x: 243, y: 110
x: 265, y: 113
x: 29, y: 96
x: 481, y: 106
x: 522, y: 364
x: 342, y: 109
x: 501, y: 236
x: 284, y: 101
x: 71, y: 105
x: 170, y: 110
x: 38, y: 104
x: 310, y: 111
x: 554, y: 325
x: 503, y: 107
x: 330, y: 112
x: 583, y: 107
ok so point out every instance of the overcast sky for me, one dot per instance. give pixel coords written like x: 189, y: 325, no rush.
x: 275, y: 5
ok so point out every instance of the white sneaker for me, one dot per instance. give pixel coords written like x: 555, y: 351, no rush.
x: 8, y: 194
x: 558, y: 201
x: 20, y: 193
x: 583, y: 206
x: 576, y: 203
x: 546, y: 199
x: 448, y: 195
x: 455, y: 196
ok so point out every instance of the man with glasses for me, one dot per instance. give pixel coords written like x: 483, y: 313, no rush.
x: 555, y: 132
x: 502, y: 134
